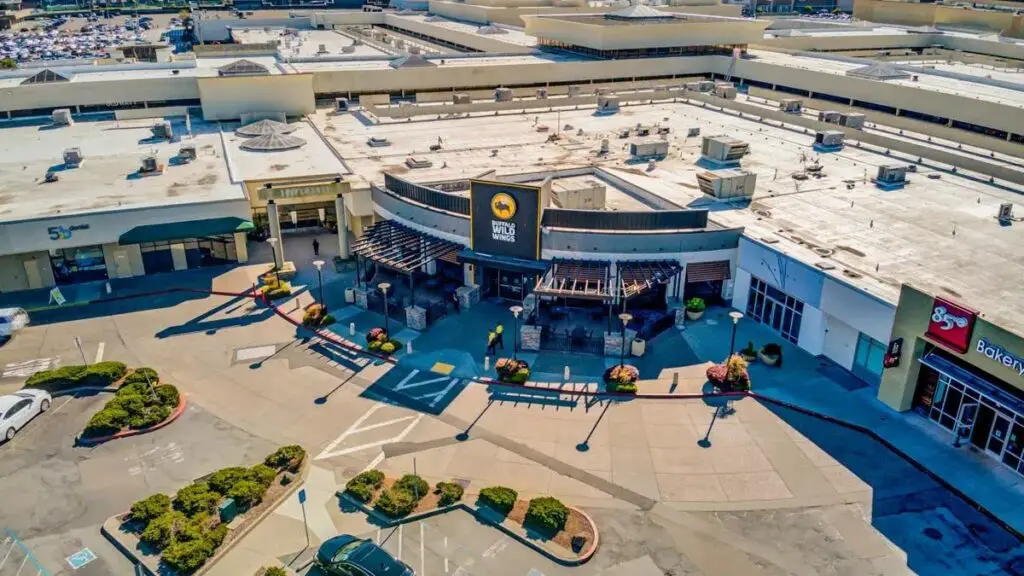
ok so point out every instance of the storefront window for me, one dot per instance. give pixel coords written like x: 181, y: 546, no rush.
x: 76, y: 265
x: 867, y: 360
x: 773, y: 307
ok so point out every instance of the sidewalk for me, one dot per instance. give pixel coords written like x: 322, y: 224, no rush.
x: 812, y: 383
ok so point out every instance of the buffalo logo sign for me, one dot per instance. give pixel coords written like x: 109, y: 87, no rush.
x: 503, y: 206
x: 951, y: 324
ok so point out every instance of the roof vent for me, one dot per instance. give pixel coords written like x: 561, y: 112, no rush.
x: 243, y: 68
x: 62, y: 117
x: 73, y: 158
x: 1005, y: 212
x: 825, y: 265
x: 414, y: 162
x: 150, y: 166
x: 162, y: 130
x: 187, y: 153
x: 824, y: 252
x: 272, y: 143
x: 264, y: 127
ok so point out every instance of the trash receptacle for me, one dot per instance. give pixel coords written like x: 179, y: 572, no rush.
x: 638, y: 347
x: 350, y: 296
x: 228, y: 510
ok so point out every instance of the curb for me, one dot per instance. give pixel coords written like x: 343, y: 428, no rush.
x: 182, y: 403
x: 692, y: 396
x: 488, y: 519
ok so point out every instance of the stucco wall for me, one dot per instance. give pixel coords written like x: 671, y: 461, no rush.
x: 227, y: 98
x: 513, y: 16
x: 104, y: 93
x: 698, y: 32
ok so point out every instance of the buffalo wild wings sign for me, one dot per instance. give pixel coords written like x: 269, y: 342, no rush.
x: 506, y: 219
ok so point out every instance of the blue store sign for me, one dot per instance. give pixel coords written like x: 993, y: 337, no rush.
x: 64, y: 232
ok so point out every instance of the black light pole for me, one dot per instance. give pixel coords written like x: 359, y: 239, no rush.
x: 516, y: 311
x: 735, y: 320
x: 320, y: 280
x: 625, y: 317
x: 384, y: 287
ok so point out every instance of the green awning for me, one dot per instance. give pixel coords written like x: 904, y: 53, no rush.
x: 183, y: 230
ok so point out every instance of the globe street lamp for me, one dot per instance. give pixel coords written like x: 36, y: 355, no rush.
x: 516, y: 311
x: 625, y: 317
x: 320, y: 280
x: 277, y: 269
x: 735, y: 315
x: 384, y: 287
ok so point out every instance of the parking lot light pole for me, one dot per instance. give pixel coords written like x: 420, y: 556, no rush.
x: 516, y: 311
x: 384, y: 287
x: 320, y: 280
x: 625, y: 317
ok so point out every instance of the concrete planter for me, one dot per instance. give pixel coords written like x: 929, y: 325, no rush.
x: 769, y: 360
x: 750, y: 359
x: 694, y: 315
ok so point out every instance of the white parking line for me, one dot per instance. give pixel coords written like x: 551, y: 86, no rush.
x: 400, y: 541
x: 99, y: 352
x: 355, y: 428
x: 445, y: 554
x: 423, y: 552
x: 58, y: 408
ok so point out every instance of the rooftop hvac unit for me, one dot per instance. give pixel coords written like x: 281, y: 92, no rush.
x: 503, y: 95
x: 727, y: 92
x: 162, y: 130
x: 852, y: 120
x: 828, y: 140
x: 647, y: 150
x: 830, y: 116
x: 693, y: 132
x: 73, y: 157
x: 399, y: 43
x: 341, y: 104
x: 62, y: 117
x: 891, y: 177
x: 1005, y: 212
x: 731, y: 183
x: 722, y: 151
x: 604, y: 146
x: 378, y: 142
x: 348, y: 49
x: 602, y: 91
x: 188, y: 152
x: 573, y: 90
x: 150, y: 165
x: 706, y: 86
x: 413, y: 162
x: 664, y: 130
x: 642, y: 130
x: 461, y: 98
x: 607, y: 104
x: 542, y: 93
x: 321, y: 49
x: 692, y: 86
x: 791, y: 105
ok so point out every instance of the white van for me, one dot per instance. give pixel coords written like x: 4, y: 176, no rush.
x: 12, y: 320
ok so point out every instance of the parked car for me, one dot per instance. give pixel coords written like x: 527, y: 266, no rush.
x: 347, y: 555
x: 18, y: 409
x: 11, y: 320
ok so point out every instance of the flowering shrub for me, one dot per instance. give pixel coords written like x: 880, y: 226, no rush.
x: 731, y: 376
x: 313, y: 316
x: 378, y: 335
x: 622, y: 377
x: 512, y: 371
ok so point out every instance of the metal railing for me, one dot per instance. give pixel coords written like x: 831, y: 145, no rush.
x: 429, y: 196
x: 566, y: 341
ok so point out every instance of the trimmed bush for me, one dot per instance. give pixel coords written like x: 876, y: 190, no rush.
x: 247, y: 493
x: 262, y: 474
x: 695, y: 305
x: 413, y: 484
x: 547, y: 513
x: 373, y: 478
x: 195, y: 499
x: 63, y: 377
x: 396, y: 502
x: 622, y: 378
x: 274, y: 571
x: 160, y: 531
x: 99, y: 374
x: 373, y: 346
x: 224, y: 479
x: 388, y: 347
x: 107, y: 421
x: 501, y: 498
x: 168, y: 395
x: 150, y: 507
x: 140, y: 375
x: 286, y: 457
x: 512, y: 371
x: 149, y: 416
x: 102, y: 374
x: 448, y: 493
x: 186, y: 557
x: 328, y: 320
x: 362, y: 492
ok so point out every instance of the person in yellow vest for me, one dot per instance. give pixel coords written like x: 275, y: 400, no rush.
x: 499, y: 332
x: 492, y: 338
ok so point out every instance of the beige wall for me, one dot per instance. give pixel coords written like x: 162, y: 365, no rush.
x: 229, y: 98
x: 918, y: 14
x: 513, y: 16
x: 98, y: 93
x: 14, y: 276
x: 697, y: 33
x: 481, y: 42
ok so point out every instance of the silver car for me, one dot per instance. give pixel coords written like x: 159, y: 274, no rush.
x: 16, y: 410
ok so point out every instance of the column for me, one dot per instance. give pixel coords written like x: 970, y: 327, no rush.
x: 274, y: 217
x: 342, y: 214
x: 241, y: 247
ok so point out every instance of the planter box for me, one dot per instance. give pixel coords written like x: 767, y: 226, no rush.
x: 750, y: 359
x: 694, y: 315
x: 768, y: 360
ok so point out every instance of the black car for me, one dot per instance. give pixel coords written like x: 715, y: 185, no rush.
x: 347, y: 555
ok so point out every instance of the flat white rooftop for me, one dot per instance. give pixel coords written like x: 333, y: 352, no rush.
x: 448, y: 61
x: 512, y: 35
x: 307, y: 43
x: 107, y: 180
x: 878, y: 239
x: 313, y: 158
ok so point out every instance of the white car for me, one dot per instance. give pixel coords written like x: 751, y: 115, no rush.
x: 12, y: 320
x: 16, y: 410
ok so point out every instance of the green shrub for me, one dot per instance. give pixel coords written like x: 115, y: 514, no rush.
x: 160, y: 531
x: 107, y: 421
x: 396, y: 502
x: 695, y: 305
x: 500, y: 498
x: 140, y: 389
x: 448, y: 493
x: 217, y: 534
x: 168, y: 395
x: 373, y: 346
x: 262, y: 474
x: 150, y: 507
x: 247, y: 493
x: 388, y: 348
x: 289, y: 457
x: 372, y: 478
x: 224, y: 479
x: 131, y: 403
x: 140, y: 374
x: 102, y: 374
x: 149, y: 416
x: 547, y: 513
x: 274, y: 571
x: 328, y: 320
x: 63, y: 377
x: 195, y: 528
x: 362, y: 492
x: 195, y: 499
x: 186, y: 557
x: 277, y: 292
x: 413, y: 484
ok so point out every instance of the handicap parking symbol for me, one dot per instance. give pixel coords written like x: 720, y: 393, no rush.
x: 81, y: 558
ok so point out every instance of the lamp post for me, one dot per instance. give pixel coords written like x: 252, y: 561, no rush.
x: 384, y: 287
x: 320, y: 280
x: 277, y: 270
x: 516, y: 311
x: 625, y: 317
x: 735, y: 315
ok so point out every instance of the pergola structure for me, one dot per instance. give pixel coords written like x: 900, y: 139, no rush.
x: 585, y: 279
x: 402, y: 249
x: 640, y: 276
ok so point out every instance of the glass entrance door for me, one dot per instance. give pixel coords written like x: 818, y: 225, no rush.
x: 997, y: 438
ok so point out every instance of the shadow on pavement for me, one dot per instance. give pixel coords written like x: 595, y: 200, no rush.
x: 202, y: 323
x: 940, y: 533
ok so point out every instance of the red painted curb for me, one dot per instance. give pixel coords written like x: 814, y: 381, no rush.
x: 126, y: 433
x: 597, y: 536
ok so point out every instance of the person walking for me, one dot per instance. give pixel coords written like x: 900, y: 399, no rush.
x: 499, y: 336
x: 492, y: 338
x: 455, y: 303
x: 316, y: 247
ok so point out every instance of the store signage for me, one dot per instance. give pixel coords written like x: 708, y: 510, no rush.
x: 893, y: 354
x: 951, y: 325
x: 1001, y: 355
x: 64, y: 232
x: 265, y: 194
x: 505, y: 219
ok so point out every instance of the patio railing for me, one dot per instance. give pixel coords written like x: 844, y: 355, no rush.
x: 395, y: 310
x: 564, y: 341
x: 651, y: 329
